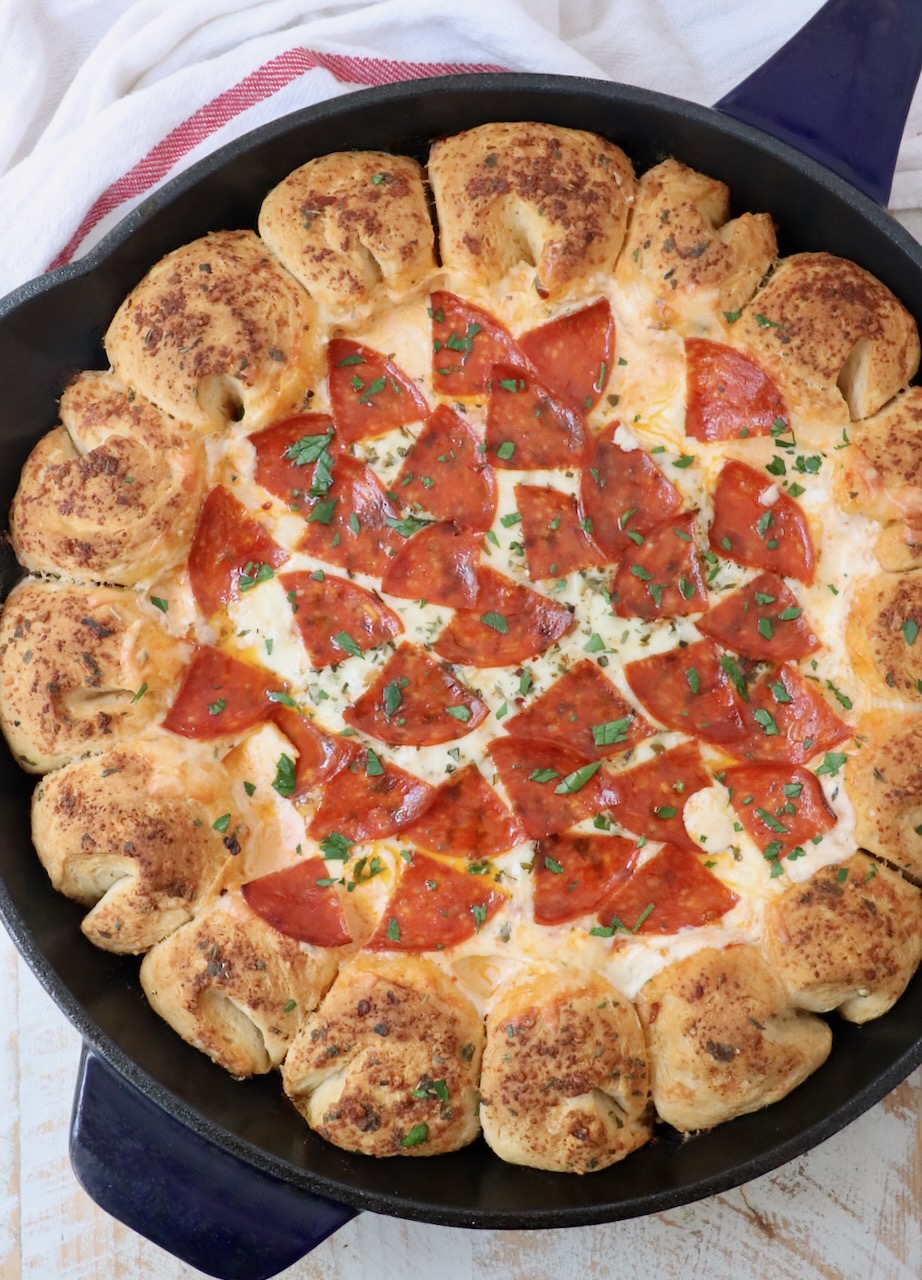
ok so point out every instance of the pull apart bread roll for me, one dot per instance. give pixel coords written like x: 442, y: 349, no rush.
x: 113, y: 493
x: 353, y: 228
x: 835, y: 340
x: 882, y: 636
x: 389, y: 1063
x: 216, y: 331
x: 234, y: 987
x: 81, y: 669
x: 552, y: 200
x: 849, y: 938
x: 685, y: 259
x: 565, y: 1080
x: 130, y: 834
x: 724, y: 1039
x: 884, y: 784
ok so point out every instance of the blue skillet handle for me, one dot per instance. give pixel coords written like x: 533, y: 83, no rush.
x: 840, y: 89
x: 171, y: 1185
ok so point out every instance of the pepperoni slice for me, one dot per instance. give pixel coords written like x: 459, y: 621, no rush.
x: 335, y: 616
x: 230, y: 551
x: 661, y: 575
x: 369, y: 799
x: 788, y: 720
x: 288, y: 454
x: 440, y: 564
x: 576, y: 874
x: 511, y: 623
x: 415, y: 702
x: 549, y: 786
x: 672, y: 891
x: 526, y: 428
x: 555, y: 535
x: 689, y: 689
x: 649, y: 799
x: 728, y: 396
x: 762, y: 620
x: 219, y: 695
x: 623, y: 490
x: 434, y: 906
x: 466, y: 819
x: 368, y: 393
x: 447, y: 473
x: 781, y: 806
x: 319, y: 754
x: 574, y: 354
x: 584, y: 711
x: 758, y: 525
x: 293, y: 903
x: 348, y: 526
x: 466, y: 343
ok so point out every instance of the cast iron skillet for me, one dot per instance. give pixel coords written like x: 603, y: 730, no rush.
x: 222, y: 1173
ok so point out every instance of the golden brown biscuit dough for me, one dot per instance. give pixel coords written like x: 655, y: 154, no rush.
x: 899, y: 546
x: 835, y: 340
x: 849, y: 938
x: 565, y: 1079
x: 723, y: 1037
x: 81, y: 669
x: 884, y: 637
x: 353, y: 227
x: 216, y: 331
x: 554, y: 200
x: 112, y: 495
x: 234, y: 987
x: 685, y: 259
x: 389, y: 1063
x: 130, y: 834
x: 884, y: 783
x: 880, y: 473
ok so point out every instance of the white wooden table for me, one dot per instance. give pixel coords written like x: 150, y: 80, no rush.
x: 849, y: 1210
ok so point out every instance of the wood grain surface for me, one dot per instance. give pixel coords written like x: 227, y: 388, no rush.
x: 849, y: 1210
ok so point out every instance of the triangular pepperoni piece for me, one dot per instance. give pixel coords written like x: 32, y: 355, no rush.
x: 576, y: 874
x: 337, y: 617
x: 690, y: 689
x: 781, y: 806
x: 466, y: 819
x: 763, y: 621
x: 585, y: 711
x: 295, y: 904
x: 672, y: 891
x: 446, y: 472
x: 440, y: 564
x: 231, y: 552
x: 661, y: 575
x: 368, y: 393
x: 320, y: 755
x: 526, y: 428
x: 348, y: 526
x: 369, y: 799
x: 295, y: 456
x: 466, y: 343
x: 622, y: 490
x: 415, y: 702
x: 649, y: 799
x: 574, y: 354
x: 728, y: 396
x: 218, y: 695
x: 788, y: 720
x: 510, y: 623
x: 434, y: 906
x: 550, y: 786
x: 758, y: 525
x: 554, y: 534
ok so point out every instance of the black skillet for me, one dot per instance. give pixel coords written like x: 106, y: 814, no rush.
x: 221, y: 1173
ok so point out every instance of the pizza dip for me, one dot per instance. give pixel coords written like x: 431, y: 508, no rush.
x: 476, y: 660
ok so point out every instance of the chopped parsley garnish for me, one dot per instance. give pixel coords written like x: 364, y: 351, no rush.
x: 576, y: 780
x: 285, y: 779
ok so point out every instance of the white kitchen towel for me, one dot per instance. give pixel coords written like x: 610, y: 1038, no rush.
x: 101, y: 102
